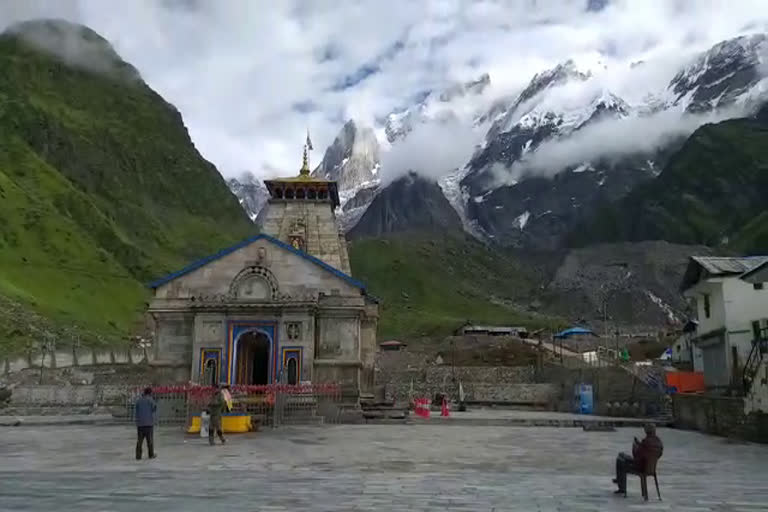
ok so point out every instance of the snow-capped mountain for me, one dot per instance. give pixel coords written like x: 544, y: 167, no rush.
x: 352, y: 160
x: 432, y: 107
x: 410, y: 203
x: 498, y: 195
x: 504, y: 116
x: 251, y: 193
x: 727, y: 74
x: 542, y: 116
x: 513, y: 204
x: 355, y: 203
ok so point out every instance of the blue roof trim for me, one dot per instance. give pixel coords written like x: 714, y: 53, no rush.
x: 199, y: 263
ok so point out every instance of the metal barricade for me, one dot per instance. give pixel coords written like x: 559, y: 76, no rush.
x: 172, y: 404
x: 268, y: 405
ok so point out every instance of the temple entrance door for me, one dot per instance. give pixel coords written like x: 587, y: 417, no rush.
x: 293, y: 376
x: 253, y: 359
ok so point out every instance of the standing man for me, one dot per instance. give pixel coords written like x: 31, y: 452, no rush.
x: 145, y: 422
x: 650, y: 448
x: 215, y: 409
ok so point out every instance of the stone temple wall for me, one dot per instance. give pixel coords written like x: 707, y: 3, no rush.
x: 405, y: 375
x: 54, y: 395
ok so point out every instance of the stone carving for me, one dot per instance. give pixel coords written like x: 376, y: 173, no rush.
x: 297, y: 242
x: 261, y: 257
x: 298, y: 227
x: 214, y: 297
x: 255, y: 287
x: 294, y: 330
x: 254, y: 283
x: 330, y: 349
x: 297, y: 297
x: 297, y: 234
x: 211, y: 330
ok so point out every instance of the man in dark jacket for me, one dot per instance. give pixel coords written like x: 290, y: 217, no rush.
x: 650, y: 448
x: 216, y: 408
x: 145, y: 422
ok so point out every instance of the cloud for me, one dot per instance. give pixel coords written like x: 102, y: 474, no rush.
x: 250, y: 77
x: 609, y: 139
x: 431, y: 150
x: 77, y: 46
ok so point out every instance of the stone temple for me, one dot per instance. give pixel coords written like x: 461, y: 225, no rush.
x: 280, y: 307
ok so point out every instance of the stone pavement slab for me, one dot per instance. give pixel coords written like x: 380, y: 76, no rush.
x: 388, y: 468
x: 499, y: 417
x: 64, y: 419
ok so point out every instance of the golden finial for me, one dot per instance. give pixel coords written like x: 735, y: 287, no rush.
x: 305, y: 163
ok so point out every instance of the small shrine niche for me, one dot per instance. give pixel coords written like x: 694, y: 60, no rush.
x: 297, y: 242
x: 297, y: 235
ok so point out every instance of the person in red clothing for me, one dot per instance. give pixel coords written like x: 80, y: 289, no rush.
x: 650, y: 447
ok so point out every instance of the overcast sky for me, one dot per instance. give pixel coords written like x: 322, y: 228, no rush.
x: 249, y: 76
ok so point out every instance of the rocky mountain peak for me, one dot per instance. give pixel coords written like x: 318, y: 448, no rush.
x: 400, y: 123
x: 557, y: 76
x: 723, y: 75
x: 410, y: 203
x: 353, y: 158
x: 250, y: 192
x: 476, y: 86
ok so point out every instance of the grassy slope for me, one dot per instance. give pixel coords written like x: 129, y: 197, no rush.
x: 432, y: 284
x: 712, y: 192
x: 101, y: 189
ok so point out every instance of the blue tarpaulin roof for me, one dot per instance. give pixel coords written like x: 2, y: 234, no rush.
x: 574, y: 331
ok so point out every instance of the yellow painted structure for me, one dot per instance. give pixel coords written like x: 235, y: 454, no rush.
x: 231, y: 424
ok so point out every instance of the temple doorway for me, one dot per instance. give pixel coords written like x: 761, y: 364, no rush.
x: 293, y: 372
x: 253, y: 351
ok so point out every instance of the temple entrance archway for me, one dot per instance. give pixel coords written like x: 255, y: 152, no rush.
x: 253, y: 356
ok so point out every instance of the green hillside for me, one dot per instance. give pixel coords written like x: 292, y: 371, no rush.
x: 430, y: 284
x: 101, y: 189
x: 712, y: 192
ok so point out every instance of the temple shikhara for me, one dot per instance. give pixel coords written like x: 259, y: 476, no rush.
x: 280, y: 307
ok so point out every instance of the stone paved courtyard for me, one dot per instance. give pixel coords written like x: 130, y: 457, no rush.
x: 388, y: 468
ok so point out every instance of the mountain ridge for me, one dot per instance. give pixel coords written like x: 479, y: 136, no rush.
x: 101, y: 190
x: 711, y: 190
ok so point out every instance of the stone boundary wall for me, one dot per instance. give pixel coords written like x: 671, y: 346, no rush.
x: 615, y: 390
x: 76, y: 357
x: 88, y: 395
x: 513, y: 384
x: 719, y: 415
x: 545, y: 395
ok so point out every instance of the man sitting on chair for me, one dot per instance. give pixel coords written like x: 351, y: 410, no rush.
x: 650, y: 447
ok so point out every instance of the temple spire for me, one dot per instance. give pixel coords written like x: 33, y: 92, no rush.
x: 305, y: 160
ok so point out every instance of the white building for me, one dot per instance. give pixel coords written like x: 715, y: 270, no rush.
x: 728, y: 309
x: 683, y: 351
x: 756, y: 372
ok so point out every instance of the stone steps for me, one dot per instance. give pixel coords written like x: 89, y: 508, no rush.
x: 383, y: 411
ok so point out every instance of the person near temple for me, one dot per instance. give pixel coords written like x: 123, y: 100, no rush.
x: 650, y: 448
x: 145, y: 423
x: 216, y: 407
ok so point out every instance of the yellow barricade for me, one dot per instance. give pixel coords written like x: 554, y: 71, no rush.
x: 230, y: 424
